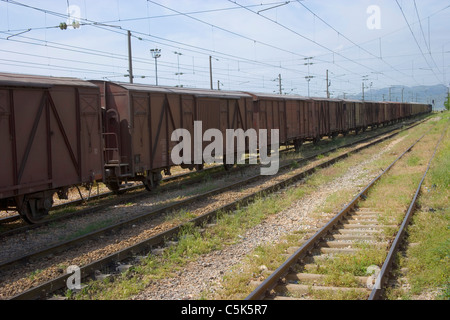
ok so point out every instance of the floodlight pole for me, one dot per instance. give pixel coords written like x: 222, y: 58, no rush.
x: 156, y: 53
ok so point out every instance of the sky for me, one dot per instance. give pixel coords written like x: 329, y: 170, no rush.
x: 251, y: 44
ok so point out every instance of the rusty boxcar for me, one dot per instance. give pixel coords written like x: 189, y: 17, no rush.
x: 292, y: 115
x: 59, y: 132
x: 50, y: 139
x: 139, y: 121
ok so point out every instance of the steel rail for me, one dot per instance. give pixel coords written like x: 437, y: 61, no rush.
x: 271, y: 282
x: 382, y: 277
x: 60, y: 282
x: 6, y: 220
x: 104, y: 195
x: 133, y: 197
x: 58, y: 247
x: 168, y: 183
x: 125, y: 198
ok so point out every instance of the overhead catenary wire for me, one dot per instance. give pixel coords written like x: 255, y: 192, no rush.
x: 423, y: 35
x: 311, y: 40
x: 117, y: 31
x: 415, y: 39
x: 196, y: 50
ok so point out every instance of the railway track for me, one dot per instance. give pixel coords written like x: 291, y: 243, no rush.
x: 354, y: 233
x: 168, y: 183
x: 150, y: 243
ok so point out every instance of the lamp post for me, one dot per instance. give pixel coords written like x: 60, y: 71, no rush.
x: 156, y: 53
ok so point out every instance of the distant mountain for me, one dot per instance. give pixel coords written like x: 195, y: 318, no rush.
x: 421, y: 94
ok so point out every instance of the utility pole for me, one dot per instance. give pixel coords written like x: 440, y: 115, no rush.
x: 328, y: 85
x: 210, y: 73
x: 130, y: 59
x: 279, y: 79
x: 178, y: 73
x: 363, y: 91
x: 364, y: 78
x: 308, y: 79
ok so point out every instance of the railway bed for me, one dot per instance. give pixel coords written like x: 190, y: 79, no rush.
x: 353, y: 232
x: 158, y: 239
x: 10, y: 226
x: 167, y: 182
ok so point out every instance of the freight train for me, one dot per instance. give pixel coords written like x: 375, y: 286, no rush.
x: 60, y: 132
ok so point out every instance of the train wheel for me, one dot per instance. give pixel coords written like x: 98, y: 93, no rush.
x: 298, y: 144
x: 152, y: 181
x: 114, y: 186
x: 34, y: 210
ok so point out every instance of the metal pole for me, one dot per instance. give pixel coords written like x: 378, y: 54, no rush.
x: 156, y: 70
x: 279, y: 80
x: 328, y: 91
x: 130, y: 59
x: 210, y: 73
x: 363, y: 91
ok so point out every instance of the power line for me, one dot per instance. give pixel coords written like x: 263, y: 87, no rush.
x: 120, y: 30
x: 309, y: 39
x: 351, y: 41
x: 423, y: 34
x: 415, y: 39
x: 228, y: 31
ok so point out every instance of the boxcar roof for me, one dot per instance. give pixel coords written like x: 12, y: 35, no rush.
x: 327, y: 99
x: 189, y: 91
x: 262, y: 95
x: 352, y: 100
x: 24, y: 80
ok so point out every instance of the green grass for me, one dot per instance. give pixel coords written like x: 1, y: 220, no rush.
x: 428, y: 261
x: 229, y: 229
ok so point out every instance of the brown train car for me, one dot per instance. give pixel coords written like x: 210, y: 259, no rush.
x: 354, y: 115
x: 270, y: 113
x: 294, y: 116
x: 393, y: 111
x: 349, y: 115
x: 377, y: 113
x: 360, y: 116
x: 140, y: 119
x: 337, y: 117
x: 322, y: 110
x: 50, y: 138
x: 370, y: 113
